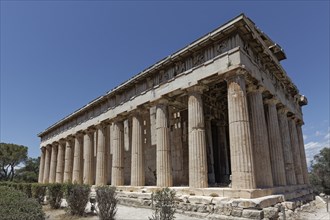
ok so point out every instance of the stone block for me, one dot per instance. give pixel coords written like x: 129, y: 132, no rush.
x: 237, y: 212
x: 200, y: 199
x: 289, y: 205
x: 252, y: 214
x: 271, y: 212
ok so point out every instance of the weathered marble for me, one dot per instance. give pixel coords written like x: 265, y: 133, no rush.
x: 242, y: 164
x: 60, y: 162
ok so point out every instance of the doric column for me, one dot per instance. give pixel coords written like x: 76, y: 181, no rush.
x: 286, y: 146
x: 137, y: 169
x: 197, y: 142
x: 275, y: 144
x: 295, y: 150
x: 117, y: 154
x: 42, y: 165
x: 47, y: 164
x: 101, y: 178
x: 88, y: 157
x: 302, y: 152
x: 242, y: 167
x: 60, y: 162
x: 53, y: 163
x: 77, y: 176
x: 68, y: 161
x: 259, y: 138
x: 163, y: 149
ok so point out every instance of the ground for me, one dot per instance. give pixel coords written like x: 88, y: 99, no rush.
x: 315, y: 210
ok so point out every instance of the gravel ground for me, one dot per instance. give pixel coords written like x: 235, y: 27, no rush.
x: 123, y: 213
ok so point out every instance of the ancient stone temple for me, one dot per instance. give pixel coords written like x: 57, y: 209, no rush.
x: 220, y: 115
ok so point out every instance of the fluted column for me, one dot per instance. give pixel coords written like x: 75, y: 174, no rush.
x: 295, y: 150
x: 53, y: 163
x: 101, y: 156
x: 137, y: 169
x: 197, y: 141
x: 286, y: 146
x: 77, y: 175
x: 163, y: 153
x: 275, y: 144
x: 88, y: 157
x: 302, y: 152
x: 117, y: 154
x: 41, y: 165
x: 68, y: 162
x: 259, y: 138
x: 60, y: 162
x: 47, y: 164
x: 242, y: 167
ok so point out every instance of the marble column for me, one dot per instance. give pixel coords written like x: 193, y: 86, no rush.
x: 275, y: 144
x: 137, y: 166
x: 101, y: 178
x: 286, y: 146
x: 60, y: 162
x: 53, y: 163
x: 295, y: 150
x: 47, y: 164
x: 77, y: 175
x: 117, y: 154
x: 68, y: 162
x: 42, y: 165
x: 163, y: 149
x: 242, y: 166
x: 302, y: 152
x: 197, y: 141
x: 259, y: 138
x: 88, y: 157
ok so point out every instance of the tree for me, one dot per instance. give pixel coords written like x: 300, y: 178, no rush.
x: 29, y: 173
x: 10, y: 156
x: 320, y: 174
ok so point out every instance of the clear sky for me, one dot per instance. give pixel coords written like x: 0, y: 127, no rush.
x: 56, y: 56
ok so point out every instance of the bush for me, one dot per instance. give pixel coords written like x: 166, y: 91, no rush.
x: 77, y: 198
x: 27, y: 189
x: 107, y: 202
x: 15, y: 205
x: 165, y: 205
x: 38, y: 192
x: 55, y: 192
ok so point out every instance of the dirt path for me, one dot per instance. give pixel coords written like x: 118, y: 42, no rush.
x: 123, y: 213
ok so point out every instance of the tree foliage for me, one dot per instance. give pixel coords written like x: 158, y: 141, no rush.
x: 29, y: 173
x: 10, y: 156
x: 320, y: 174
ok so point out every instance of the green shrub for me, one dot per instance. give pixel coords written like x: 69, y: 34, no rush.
x: 27, y: 189
x: 38, y: 192
x: 55, y: 192
x: 107, y: 202
x: 77, y: 197
x: 165, y: 205
x: 15, y: 205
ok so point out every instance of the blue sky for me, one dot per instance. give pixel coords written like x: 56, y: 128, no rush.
x: 57, y: 56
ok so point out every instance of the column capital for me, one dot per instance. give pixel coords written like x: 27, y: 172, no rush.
x: 283, y: 110
x: 271, y: 101
x: 78, y: 134
x: 197, y: 89
x: 238, y: 75
x: 55, y: 143
x: 251, y: 88
x: 161, y: 101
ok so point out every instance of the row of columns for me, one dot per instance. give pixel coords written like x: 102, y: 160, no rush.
x: 266, y: 146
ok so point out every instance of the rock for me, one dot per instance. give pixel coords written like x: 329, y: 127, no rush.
x: 237, y: 212
x: 271, y: 212
x: 253, y: 214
